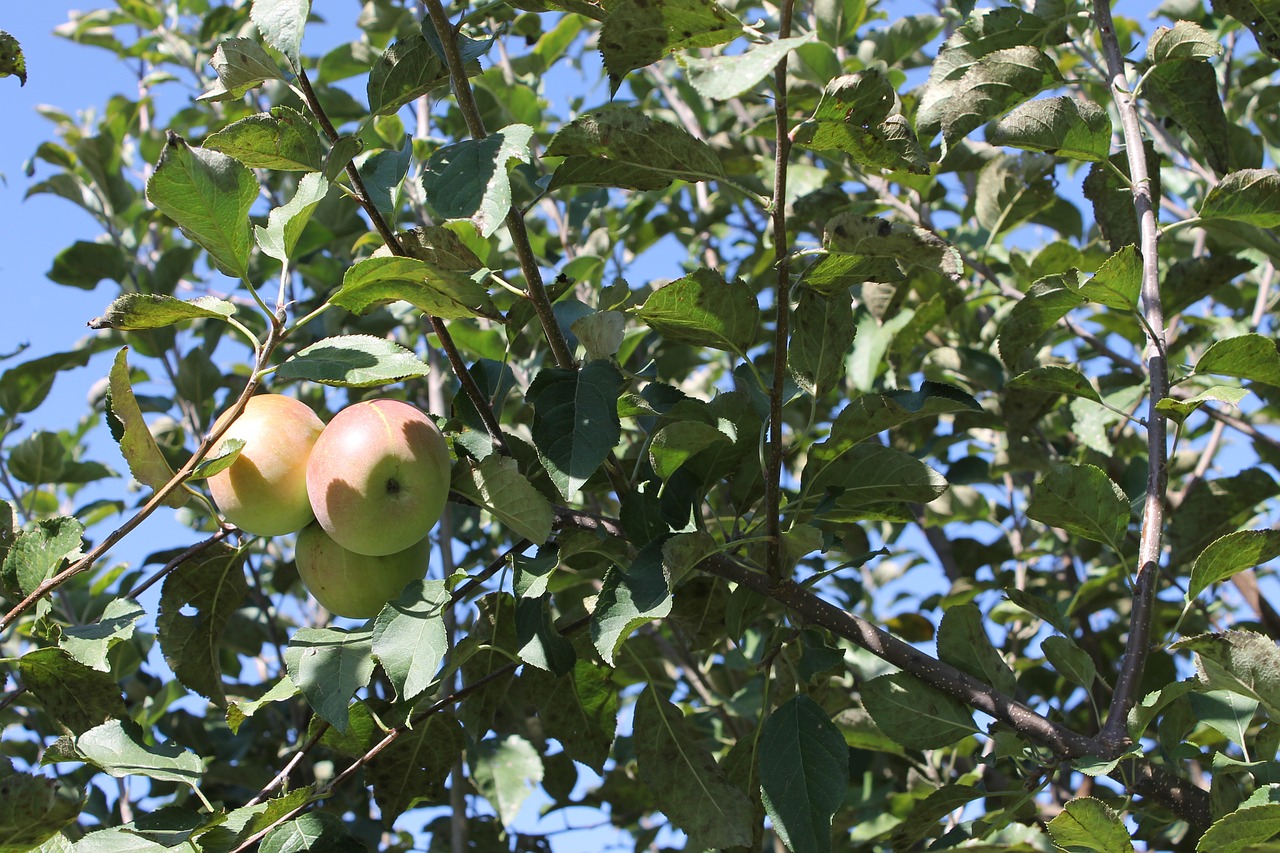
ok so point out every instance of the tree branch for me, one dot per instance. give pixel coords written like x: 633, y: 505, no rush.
x: 1113, y: 734
x: 781, y: 308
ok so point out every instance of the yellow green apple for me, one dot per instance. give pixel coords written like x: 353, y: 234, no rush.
x: 378, y: 477
x: 264, y: 492
x: 355, y: 585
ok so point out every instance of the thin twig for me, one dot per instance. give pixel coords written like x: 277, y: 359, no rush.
x: 782, y: 308
x: 1114, y: 735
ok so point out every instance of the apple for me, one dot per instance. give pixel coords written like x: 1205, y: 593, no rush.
x: 264, y: 492
x: 378, y: 477
x: 351, y: 584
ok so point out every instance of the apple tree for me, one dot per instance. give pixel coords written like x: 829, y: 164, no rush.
x: 862, y: 425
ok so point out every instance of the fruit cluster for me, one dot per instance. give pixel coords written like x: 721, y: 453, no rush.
x: 375, y: 481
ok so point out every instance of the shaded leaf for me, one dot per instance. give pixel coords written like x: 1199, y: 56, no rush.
x: 407, y: 70
x: 84, y: 264
x: 963, y: 643
x: 992, y: 86
x: 875, y: 238
x: 73, y: 694
x: 1241, y: 829
x: 628, y: 599
x: 1071, y: 661
x: 1251, y: 196
x: 1054, y: 379
x: 915, y: 714
x: 804, y: 773
x: 1262, y: 17
x: 1240, y: 661
x: 688, y: 786
x: 858, y: 115
x: 468, y: 180
x: 353, y: 361
x: 1228, y: 713
x: 440, y: 286
x: 637, y: 33
x: 33, y: 808
x: 241, y: 824
x: 505, y: 771
x: 1186, y: 40
x: 1082, y: 500
x: 37, y: 553
x: 579, y: 709
x: 241, y: 64
x: 869, y: 474
x: 213, y: 585
x: 89, y: 644
x: 114, y: 748
x: 1180, y: 410
x: 575, y: 421
x: 313, y: 832
x: 138, y: 446
x: 416, y: 765
x: 1187, y: 93
x: 134, y: 311
x: 12, y: 61
x: 625, y: 147
x: 496, y: 484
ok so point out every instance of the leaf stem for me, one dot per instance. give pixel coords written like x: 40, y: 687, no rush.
x: 782, y: 307
x: 1114, y: 737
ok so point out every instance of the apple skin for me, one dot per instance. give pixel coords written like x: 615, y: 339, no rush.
x: 378, y: 477
x: 355, y: 585
x: 264, y: 492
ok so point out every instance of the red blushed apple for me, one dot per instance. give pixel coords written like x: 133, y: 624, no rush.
x: 351, y: 584
x: 264, y: 492
x: 378, y: 477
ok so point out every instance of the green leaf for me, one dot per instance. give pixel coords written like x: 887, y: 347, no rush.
x: 628, y: 599
x: 575, y: 421
x: 1186, y: 40
x: 579, y: 709
x: 506, y: 771
x: 868, y: 474
x: 1187, y: 93
x: 138, y: 446
x: 1054, y: 379
x: 1088, y: 824
x: 313, y: 832
x: 1240, y: 661
x: 1262, y: 17
x: 637, y: 33
x: 208, y: 195
x: 1228, y: 713
x: 1071, y: 661
x: 876, y: 238
x: 675, y: 443
x: 114, y: 748
x: 821, y: 338
x: 1118, y: 281
x: 858, y: 115
x: 963, y: 643
x: 992, y: 86
x: 409, y: 639
x: 239, y: 825
x: 134, y: 311
x: 443, y: 285
x: 723, y: 78
x: 915, y: 714
x: 1112, y: 199
x: 340, y: 155
x: 416, y: 765
x: 1252, y: 357
x: 213, y: 585
x: 1241, y: 829
x: 11, y: 59
x: 25, y: 387
x: 37, y: 553
x: 600, y: 333
x: 1082, y: 500
x: 804, y: 773
x: 1235, y: 552
x: 468, y: 180
x: 241, y: 64
x: 1064, y: 125
x: 1013, y: 189
x: 84, y: 264
x: 704, y: 310
x: 286, y: 223
x: 1048, y: 301
x: 687, y: 785
x: 383, y: 172
x: 540, y: 644
x: 73, y: 694
x: 625, y: 147
x: 220, y: 460
x: 281, y: 139
x: 42, y: 458
x: 353, y: 361
x: 406, y: 71
x: 33, y: 808
x: 89, y: 644
x: 1214, y: 508
x: 1180, y: 410
x: 281, y: 23
x: 329, y: 666
x: 924, y: 817
x: 496, y: 485
x: 238, y: 712
x: 1251, y: 196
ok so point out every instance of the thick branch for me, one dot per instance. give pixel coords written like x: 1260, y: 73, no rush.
x: 781, y: 308
x: 1113, y: 733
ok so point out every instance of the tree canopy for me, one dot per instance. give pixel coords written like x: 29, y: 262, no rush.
x: 862, y: 429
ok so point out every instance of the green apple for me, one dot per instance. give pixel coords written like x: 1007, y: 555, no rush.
x: 378, y: 477
x: 264, y: 492
x: 351, y: 584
